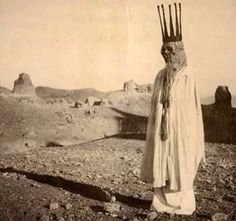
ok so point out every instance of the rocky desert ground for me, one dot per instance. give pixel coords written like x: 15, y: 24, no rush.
x: 76, y: 155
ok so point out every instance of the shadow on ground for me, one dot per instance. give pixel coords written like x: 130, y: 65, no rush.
x: 85, y: 190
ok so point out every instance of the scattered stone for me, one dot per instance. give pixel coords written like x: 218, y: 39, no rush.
x: 219, y: 217
x: 68, y: 206
x: 108, y: 194
x: 152, y: 215
x: 136, y: 171
x: 5, y: 174
x: 111, y: 207
x: 53, y: 206
x: 78, y: 104
x: 123, y: 217
x: 61, y: 219
x: 209, y: 181
x: 125, y: 158
x: 44, y: 218
x: 114, y: 215
x: 98, y: 176
x: 105, y: 102
x: 35, y: 185
x: 31, y: 144
x: 113, y: 199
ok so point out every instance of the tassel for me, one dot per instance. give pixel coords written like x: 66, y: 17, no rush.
x: 164, y: 134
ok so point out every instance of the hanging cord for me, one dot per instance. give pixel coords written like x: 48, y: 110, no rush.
x: 165, y: 99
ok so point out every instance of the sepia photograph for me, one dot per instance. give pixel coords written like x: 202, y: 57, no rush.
x: 117, y: 110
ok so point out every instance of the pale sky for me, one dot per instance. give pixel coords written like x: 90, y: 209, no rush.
x: 74, y: 44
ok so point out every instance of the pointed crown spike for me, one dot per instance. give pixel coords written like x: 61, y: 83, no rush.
x: 176, y: 21
x: 171, y: 23
x: 174, y: 35
x: 180, y: 22
x: 162, y: 32
x: 164, y: 19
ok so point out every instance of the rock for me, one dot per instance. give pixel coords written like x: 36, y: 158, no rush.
x: 223, y: 97
x: 105, y: 102
x: 79, y: 104
x: 107, y: 194
x: 130, y: 86
x: 114, y: 215
x: 68, y: 206
x: 23, y: 86
x: 219, y: 217
x: 53, y: 206
x: 152, y: 215
x: 136, y: 171
x: 123, y: 217
x: 61, y: 219
x: 219, y: 118
x: 98, y: 176
x: 113, y: 199
x: 125, y: 158
x: 31, y: 144
x: 44, y: 218
x: 93, y: 101
x: 111, y: 207
x: 35, y: 185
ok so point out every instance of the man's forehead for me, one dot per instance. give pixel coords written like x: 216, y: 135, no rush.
x: 169, y: 44
x: 173, y: 44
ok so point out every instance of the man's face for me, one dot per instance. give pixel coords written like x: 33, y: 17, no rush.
x: 168, y: 52
x: 173, y: 52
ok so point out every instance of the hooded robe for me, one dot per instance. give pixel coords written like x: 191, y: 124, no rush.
x: 177, y: 158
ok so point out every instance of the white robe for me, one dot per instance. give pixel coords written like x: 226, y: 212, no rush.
x: 177, y: 158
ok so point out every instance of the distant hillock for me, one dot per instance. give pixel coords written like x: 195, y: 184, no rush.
x: 23, y: 86
x: 47, y: 93
x: 219, y: 118
x: 4, y: 90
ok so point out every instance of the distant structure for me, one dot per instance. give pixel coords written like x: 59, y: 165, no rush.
x: 220, y: 118
x: 130, y: 86
x: 23, y: 86
x: 93, y: 101
x: 145, y: 88
x: 223, y: 98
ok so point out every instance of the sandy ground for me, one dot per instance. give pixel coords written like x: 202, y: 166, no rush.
x: 99, y: 180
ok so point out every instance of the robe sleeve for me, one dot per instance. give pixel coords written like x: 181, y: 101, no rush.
x: 147, y: 161
x: 191, y: 124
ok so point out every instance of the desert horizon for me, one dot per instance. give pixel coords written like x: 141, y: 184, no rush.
x: 204, y: 99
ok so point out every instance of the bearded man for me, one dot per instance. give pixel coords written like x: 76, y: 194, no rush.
x: 175, y: 139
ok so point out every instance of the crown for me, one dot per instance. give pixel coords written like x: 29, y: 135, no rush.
x: 177, y: 36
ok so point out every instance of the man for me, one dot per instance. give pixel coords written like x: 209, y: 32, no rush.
x: 175, y: 140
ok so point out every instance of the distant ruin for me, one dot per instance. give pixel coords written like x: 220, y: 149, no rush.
x: 220, y: 118
x: 23, y: 86
x: 131, y: 86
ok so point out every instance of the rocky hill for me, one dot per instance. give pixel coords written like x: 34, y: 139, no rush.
x: 220, y: 118
x: 23, y: 86
x: 48, y: 94
x: 4, y: 90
